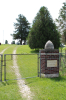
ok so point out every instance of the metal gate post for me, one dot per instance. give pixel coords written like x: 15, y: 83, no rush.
x: 4, y: 67
x: 38, y: 64
x: 1, y: 67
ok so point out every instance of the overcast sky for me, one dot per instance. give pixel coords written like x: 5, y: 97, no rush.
x: 10, y: 9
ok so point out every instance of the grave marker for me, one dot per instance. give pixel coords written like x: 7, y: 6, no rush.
x: 49, y: 61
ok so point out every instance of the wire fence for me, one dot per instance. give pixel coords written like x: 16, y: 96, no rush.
x: 21, y: 66
x: 18, y: 66
x: 1, y: 61
x: 62, y: 64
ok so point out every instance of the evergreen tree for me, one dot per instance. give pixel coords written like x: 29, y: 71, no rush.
x: 6, y: 42
x: 21, y: 29
x: 43, y: 29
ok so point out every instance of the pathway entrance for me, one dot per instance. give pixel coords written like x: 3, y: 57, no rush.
x: 25, y: 64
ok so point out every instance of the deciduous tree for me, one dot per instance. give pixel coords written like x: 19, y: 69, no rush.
x: 61, y: 22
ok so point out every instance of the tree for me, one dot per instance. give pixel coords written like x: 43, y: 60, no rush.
x: 21, y: 28
x: 13, y: 42
x: 6, y: 42
x: 61, y: 23
x: 43, y: 29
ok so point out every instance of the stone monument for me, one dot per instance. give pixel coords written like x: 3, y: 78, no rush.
x: 49, y: 61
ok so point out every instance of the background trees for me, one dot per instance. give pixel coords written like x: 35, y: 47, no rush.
x: 21, y: 28
x: 13, y: 42
x: 43, y: 29
x: 61, y: 22
x: 6, y: 42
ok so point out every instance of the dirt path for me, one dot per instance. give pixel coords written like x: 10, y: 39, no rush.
x: 23, y: 89
x: 3, y: 50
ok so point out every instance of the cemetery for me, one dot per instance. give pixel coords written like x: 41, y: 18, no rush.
x: 55, y: 82
x: 33, y: 66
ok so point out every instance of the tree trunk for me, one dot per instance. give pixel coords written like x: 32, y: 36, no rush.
x: 21, y: 41
x: 24, y: 42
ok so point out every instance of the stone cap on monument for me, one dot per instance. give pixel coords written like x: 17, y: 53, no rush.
x: 49, y: 45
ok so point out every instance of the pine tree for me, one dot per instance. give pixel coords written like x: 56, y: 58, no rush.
x: 43, y: 29
x: 21, y: 28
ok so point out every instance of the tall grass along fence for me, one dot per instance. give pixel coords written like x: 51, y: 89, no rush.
x: 21, y: 66
x: 62, y: 62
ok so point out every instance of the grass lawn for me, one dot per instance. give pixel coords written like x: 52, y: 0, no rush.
x: 42, y: 88
x: 3, y: 46
x: 9, y: 89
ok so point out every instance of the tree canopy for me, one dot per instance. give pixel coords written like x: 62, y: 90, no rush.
x: 61, y: 22
x: 43, y: 29
x: 21, y: 28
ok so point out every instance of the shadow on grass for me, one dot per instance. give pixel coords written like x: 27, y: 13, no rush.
x: 34, y: 51
x: 60, y: 78
x: 9, y: 82
x: 5, y: 83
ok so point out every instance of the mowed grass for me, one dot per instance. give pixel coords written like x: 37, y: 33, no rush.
x: 3, y: 46
x: 42, y: 88
x: 9, y: 89
x: 28, y: 62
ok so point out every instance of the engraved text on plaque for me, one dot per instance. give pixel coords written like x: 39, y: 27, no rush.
x: 51, y: 63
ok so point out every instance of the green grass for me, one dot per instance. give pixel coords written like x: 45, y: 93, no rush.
x: 42, y: 88
x: 9, y: 89
x: 62, y: 49
x: 63, y: 61
x: 27, y: 63
x: 3, y: 46
x: 26, y: 49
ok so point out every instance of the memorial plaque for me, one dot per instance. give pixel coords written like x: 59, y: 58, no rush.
x: 51, y: 63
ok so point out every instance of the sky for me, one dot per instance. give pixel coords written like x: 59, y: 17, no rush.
x: 10, y: 9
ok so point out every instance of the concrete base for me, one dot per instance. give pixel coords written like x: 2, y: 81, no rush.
x: 50, y: 75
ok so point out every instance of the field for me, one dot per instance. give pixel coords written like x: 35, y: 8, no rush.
x: 42, y: 88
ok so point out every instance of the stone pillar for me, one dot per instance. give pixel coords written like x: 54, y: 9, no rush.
x: 49, y: 61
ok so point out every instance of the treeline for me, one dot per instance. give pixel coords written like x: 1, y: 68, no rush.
x: 42, y: 29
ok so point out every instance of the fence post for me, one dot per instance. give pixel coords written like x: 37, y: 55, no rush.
x: 38, y: 64
x: 11, y: 57
x: 1, y: 66
x: 60, y: 58
x: 61, y: 50
x: 4, y: 67
x: 65, y: 55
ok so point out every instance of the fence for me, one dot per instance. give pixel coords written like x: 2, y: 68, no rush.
x: 62, y: 64
x: 1, y: 63
x: 20, y: 66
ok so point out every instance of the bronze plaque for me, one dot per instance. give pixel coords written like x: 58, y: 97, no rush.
x: 51, y: 63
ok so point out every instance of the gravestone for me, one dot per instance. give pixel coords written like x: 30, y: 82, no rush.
x: 49, y: 61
